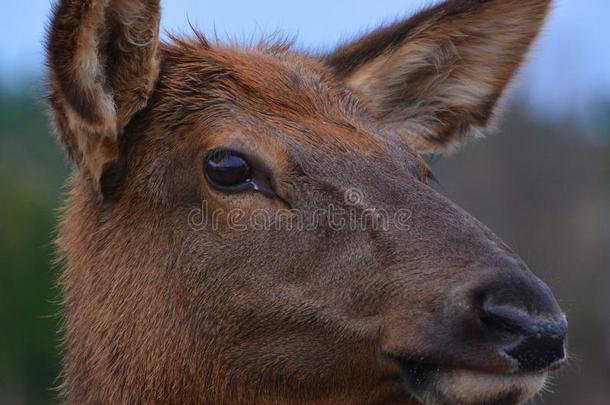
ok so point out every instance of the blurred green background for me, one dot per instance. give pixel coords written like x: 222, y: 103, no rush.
x: 542, y: 182
x: 32, y: 172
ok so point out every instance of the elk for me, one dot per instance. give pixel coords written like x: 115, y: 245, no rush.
x: 160, y: 308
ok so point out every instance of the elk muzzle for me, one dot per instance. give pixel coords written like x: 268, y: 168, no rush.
x: 498, y: 340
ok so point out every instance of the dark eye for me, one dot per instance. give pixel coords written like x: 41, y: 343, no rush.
x: 227, y: 170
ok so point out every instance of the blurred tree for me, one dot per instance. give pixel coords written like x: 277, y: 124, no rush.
x: 31, y: 174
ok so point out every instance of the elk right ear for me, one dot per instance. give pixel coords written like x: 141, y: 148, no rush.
x: 436, y: 77
x: 103, y: 64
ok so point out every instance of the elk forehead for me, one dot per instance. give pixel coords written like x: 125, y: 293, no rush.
x: 266, y: 91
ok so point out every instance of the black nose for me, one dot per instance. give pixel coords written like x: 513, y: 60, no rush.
x: 514, y: 314
x: 536, y: 343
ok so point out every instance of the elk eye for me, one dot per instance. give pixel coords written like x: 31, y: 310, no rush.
x: 227, y: 170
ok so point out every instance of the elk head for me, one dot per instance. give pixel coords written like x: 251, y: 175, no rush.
x: 254, y: 225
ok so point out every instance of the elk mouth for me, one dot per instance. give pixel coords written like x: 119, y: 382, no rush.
x: 433, y: 384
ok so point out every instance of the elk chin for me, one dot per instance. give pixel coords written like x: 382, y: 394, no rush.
x: 434, y: 385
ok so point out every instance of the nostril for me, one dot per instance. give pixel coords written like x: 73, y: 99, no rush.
x: 502, y: 319
x: 534, y: 344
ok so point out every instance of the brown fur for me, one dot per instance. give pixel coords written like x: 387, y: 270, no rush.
x: 159, y: 312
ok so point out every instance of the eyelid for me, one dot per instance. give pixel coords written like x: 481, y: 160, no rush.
x: 252, y: 159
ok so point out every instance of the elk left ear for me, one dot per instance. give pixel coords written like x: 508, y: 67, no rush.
x: 103, y: 65
x: 437, y: 76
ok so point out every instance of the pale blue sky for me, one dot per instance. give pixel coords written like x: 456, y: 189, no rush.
x: 569, y: 70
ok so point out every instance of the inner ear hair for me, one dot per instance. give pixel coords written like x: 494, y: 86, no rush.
x: 103, y: 64
x: 437, y: 76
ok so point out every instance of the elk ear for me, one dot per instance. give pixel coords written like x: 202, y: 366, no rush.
x: 103, y: 63
x: 437, y: 76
